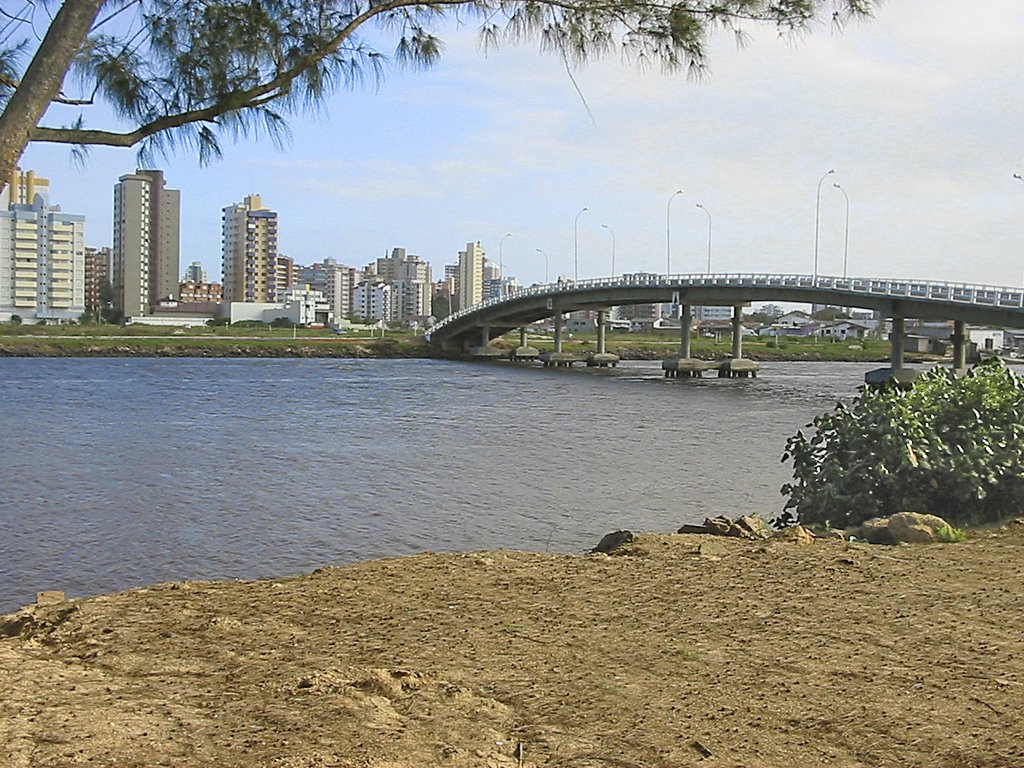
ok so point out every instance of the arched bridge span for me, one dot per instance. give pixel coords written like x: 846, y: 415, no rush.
x: 897, y: 299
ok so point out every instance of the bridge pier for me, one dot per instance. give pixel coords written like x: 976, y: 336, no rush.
x: 684, y: 366
x: 959, y: 339
x: 524, y: 351
x: 558, y: 331
x: 895, y: 373
x: 601, y: 358
x: 736, y: 367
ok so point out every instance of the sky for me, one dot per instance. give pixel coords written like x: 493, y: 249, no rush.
x: 920, y: 111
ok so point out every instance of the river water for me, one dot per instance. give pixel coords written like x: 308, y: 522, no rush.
x: 123, y: 472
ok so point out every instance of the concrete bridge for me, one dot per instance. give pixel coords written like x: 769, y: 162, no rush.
x: 894, y: 299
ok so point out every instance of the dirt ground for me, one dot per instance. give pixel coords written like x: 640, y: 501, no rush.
x: 666, y: 653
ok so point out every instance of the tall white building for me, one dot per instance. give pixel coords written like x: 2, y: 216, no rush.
x: 335, y: 281
x: 471, y: 275
x: 374, y: 301
x: 147, y: 227
x: 42, y: 255
x: 411, y: 281
x: 249, y: 252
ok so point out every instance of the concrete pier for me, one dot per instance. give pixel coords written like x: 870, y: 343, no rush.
x: 959, y: 339
x: 559, y: 359
x: 524, y: 351
x: 737, y: 367
x: 895, y: 373
x: 684, y: 366
x: 602, y: 358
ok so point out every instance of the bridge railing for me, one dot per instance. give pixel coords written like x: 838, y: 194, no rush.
x: 924, y: 290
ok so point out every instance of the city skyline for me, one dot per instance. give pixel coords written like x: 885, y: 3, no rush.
x: 918, y: 110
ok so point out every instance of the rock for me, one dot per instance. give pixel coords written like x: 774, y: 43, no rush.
x: 874, y: 531
x: 693, y: 529
x: 719, y: 525
x: 712, y: 549
x: 749, y: 527
x: 613, y: 540
x: 914, y: 527
x: 793, y: 534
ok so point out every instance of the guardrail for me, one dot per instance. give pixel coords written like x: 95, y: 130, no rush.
x: 927, y: 290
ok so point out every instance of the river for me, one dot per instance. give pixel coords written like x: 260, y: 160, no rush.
x: 123, y: 472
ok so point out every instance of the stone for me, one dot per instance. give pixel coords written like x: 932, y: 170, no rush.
x: 613, y: 540
x: 711, y: 549
x: 874, y: 531
x: 914, y: 527
x: 49, y: 597
x: 719, y: 525
x: 749, y: 527
x: 793, y: 534
x: 693, y: 529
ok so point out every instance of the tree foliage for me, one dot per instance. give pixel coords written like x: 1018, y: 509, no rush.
x: 187, y: 72
x: 949, y: 446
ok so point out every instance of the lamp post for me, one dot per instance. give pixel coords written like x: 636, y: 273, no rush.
x: 846, y: 231
x: 817, y: 212
x: 668, y: 232
x: 576, y: 243
x: 501, y: 264
x: 612, y: 233
x: 709, y: 234
x: 538, y: 250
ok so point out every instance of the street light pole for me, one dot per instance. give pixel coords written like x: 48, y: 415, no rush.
x: 846, y: 233
x: 817, y: 212
x: 612, y: 233
x: 668, y: 232
x: 538, y: 250
x: 501, y: 264
x: 576, y: 244
x: 709, y: 234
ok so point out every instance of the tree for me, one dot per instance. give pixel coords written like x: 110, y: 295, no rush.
x: 186, y: 72
x: 950, y: 446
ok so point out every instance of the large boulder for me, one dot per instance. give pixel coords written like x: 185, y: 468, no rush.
x: 793, y: 534
x: 873, y: 531
x: 749, y: 527
x: 719, y: 525
x: 915, y: 527
x: 613, y: 540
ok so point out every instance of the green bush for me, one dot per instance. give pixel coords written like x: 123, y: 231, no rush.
x: 949, y: 446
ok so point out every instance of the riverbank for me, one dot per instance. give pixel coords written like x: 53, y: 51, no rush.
x: 676, y: 651
x: 390, y: 347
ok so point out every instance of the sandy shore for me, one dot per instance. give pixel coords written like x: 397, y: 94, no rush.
x: 675, y: 651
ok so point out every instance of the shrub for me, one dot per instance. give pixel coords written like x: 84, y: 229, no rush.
x: 949, y: 446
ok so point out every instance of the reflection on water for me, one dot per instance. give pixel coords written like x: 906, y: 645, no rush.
x: 118, y: 473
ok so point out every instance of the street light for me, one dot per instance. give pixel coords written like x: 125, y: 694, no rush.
x: 668, y: 232
x: 846, y: 234
x: 538, y: 250
x: 576, y: 243
x: 501, y: 264
x: 612, y: 233
x: 709, y: 234
x: 817, y: 211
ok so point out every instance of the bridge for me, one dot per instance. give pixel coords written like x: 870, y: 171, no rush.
x: 894, y: 299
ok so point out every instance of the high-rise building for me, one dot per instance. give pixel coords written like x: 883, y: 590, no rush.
x: 287, y: 275
x: 195, y: 273
x: 374, y: 301
x: 471, y: 275
x: 42, y: 255
x: 335, y: 281
x: 410, y: 278
x: 249, y: 252
x: 98, y: 264
x: 147, y: 225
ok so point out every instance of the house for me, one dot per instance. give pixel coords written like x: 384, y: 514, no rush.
x: 843, y: 330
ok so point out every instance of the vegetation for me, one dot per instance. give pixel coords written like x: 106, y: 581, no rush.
x: 948, y: 446
x: 186, y: 72
x: 950, y: 535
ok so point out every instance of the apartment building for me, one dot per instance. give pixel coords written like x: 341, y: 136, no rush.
x: 147, y: 226
x: 471, y: 275
x: 98, y: 268
x: 249, y: 252
x: 335, y: 281
x: 42, y: 255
